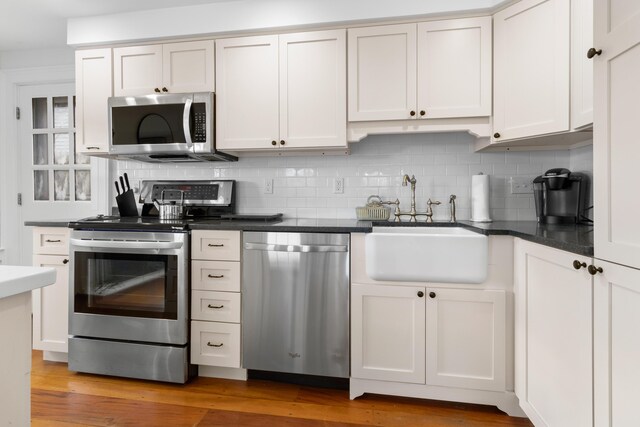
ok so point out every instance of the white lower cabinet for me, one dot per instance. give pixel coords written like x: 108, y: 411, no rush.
x: 388, y: 333
x: 466, y: 338
x: 435, y: 336
x: 216, y: 303
x: 51, y: 303
x: 616, y: 346
x: 553, y: 336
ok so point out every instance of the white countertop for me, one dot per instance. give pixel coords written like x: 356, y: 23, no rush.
x: 15, y: 280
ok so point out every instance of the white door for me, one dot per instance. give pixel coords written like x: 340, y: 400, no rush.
x: 388, y: 333
x: 454, y: 68
x: 616, y: 150
x: 247, y: 93
x: 616, y: 349
x: 51, y: 306
x: 382, y: 72
x: 466, y: 338
x: 581, y: 65
x: 54, y: 182
x: 137, y: 70
x: 531, y: 69
x: 313, y: 89
x: 553, y: 336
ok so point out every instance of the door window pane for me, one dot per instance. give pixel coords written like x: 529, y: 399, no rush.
x: 40, y: 149
x: 60, y: 112
x: 61, y: 185
x: 41, y: 185
x: 83, y: 185
x: 61, y: 148
x: 39, y: 107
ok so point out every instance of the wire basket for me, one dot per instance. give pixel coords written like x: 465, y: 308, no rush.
x: 373, y: 211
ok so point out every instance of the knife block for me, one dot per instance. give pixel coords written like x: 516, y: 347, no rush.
x: 127, y: 204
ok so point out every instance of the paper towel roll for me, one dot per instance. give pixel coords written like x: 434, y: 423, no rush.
x: 480, y: 198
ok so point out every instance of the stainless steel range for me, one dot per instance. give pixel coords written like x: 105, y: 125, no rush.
x: 129, y: 284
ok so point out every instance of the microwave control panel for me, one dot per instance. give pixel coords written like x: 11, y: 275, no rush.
x: 199, y: 123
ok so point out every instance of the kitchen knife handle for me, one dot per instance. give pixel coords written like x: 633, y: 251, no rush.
x: 126, y: 181
x: 122, y: 185
x: 118, y: 188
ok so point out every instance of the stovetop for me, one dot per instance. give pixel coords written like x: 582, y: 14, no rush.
x: 104, y: 222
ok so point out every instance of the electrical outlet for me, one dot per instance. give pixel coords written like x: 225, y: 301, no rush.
x: 338, y: 185
x: 521, y: 185
x: 268, y: 186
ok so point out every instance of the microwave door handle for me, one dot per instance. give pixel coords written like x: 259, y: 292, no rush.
x: 185, y: 123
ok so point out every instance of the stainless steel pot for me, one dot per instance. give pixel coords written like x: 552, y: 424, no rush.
x: 171, y: 209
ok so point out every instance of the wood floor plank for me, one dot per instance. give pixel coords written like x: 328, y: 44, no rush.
x: 59, y: 396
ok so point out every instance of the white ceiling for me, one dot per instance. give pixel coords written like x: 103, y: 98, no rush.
x: 40, y: 24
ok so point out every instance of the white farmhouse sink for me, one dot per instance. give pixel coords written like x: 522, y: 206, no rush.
x: 426, y: 254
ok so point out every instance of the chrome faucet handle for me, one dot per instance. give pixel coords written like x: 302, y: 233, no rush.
x: 430, y: 209
x: 452, y: 205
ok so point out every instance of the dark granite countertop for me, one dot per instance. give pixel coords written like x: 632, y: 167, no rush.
x: 577, y: 239
x: 49, y: 223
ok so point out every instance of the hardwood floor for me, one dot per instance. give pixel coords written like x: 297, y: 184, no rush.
x: 63, y: 398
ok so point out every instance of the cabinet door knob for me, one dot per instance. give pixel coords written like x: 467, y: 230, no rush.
x: 422, y: 112
x: 496, y: 135
x: 412, y: 113
x: 65, y: 261
x: 593, y: 52
x: 156, y: 90
x: 578, y: 265
x: 274, y: 143
x: 432, y: 294
x: 420, y: 294
x: 282, y: 142
x: 593, y: 270
x: 164, y: 89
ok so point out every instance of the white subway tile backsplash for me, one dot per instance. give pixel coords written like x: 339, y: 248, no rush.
x: 442, y: 164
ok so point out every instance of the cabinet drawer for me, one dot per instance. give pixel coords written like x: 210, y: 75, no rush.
x: 215, y: 306
x: 51, y: 241
x: 215, y: 344
x: 216, y: 245
x: 215, y: 276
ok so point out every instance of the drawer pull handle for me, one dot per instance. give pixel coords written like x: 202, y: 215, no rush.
x: 52, y: 241
x: 210, y: 344
x: 215, y: 276
x: 215, y: 245
x: 215, y: 306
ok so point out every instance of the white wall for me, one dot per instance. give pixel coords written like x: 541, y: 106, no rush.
x: 442, y: 163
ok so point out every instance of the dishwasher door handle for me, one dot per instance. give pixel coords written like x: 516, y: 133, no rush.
x: 295, y: 248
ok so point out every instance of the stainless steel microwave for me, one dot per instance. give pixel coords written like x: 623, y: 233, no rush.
x: 164, y: 128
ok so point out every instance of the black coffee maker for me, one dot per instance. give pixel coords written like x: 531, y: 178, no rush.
x: 560, y: 196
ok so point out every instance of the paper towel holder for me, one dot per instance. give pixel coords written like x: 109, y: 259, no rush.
x: 480, y: 198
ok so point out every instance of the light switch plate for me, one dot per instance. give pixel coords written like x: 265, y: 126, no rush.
x: 521, y: 185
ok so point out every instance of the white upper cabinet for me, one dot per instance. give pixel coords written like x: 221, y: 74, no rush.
x: 382, y: 72
x: 174, y: 67
x: 247, y: 99
x: 438, y: 69
x: 93, y: 89
x: 581, y: 65
x: 615, y: 148
x: 454, y: 68
x: 279, y: 92
x: 313, y: 87
x: 188, y: 66
x: 531, y: 69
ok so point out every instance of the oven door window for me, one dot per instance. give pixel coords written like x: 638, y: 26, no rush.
x: 126, y: 285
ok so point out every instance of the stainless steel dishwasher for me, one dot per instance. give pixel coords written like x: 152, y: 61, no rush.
x: 295, y: 303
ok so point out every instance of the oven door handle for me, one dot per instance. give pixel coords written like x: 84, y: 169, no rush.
x: 106, y: 244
